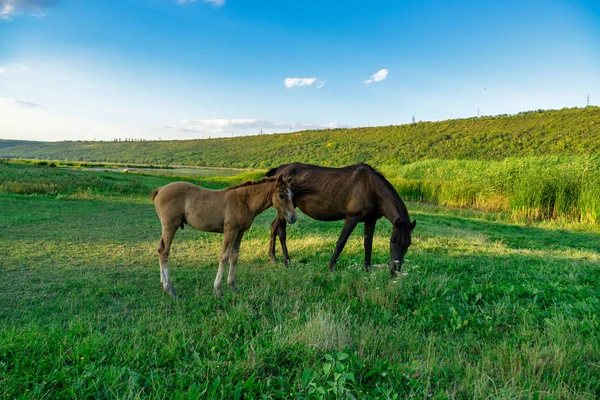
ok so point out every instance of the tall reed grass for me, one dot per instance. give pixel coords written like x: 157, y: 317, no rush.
x: 549, y: 187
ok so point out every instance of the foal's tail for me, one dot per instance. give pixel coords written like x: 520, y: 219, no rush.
x: 154, y: 193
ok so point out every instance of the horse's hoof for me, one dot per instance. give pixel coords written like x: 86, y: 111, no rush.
x: 170, y: 291
x: 233, y: 288
x: 273, y: 260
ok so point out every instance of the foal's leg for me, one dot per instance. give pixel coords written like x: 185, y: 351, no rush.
x: 368, y: 242
x: 228, y: 239
x: 274, y: 227
x: 349, y: 225
x: 233, y: 259
x: 164, y: 248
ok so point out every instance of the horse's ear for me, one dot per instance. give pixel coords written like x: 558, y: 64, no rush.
x: 398, y: 223
x: 413, y: 224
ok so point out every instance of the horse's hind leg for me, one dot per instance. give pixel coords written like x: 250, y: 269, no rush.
x: 164, y: 248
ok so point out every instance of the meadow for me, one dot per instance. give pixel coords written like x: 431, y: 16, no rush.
x: 485, y: 307
x: 534, y: 165
x: 566, y: 132
x: 563, y: 188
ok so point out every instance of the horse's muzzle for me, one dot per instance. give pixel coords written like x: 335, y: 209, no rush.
x: 291, y: 219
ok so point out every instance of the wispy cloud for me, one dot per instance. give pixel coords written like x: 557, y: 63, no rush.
x: 378, y: 76
x: 244, y: 126
x: 9, y: 8
x: 216, y: 3
x: 292, y: 82
x: 18, y: 103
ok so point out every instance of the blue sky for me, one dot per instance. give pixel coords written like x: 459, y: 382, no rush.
x: 169, y: 69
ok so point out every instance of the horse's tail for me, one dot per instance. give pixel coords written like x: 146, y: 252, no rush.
x: 272, y: 171
x: 154, y: 193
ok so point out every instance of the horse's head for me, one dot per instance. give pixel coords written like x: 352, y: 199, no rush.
x: 399, y: 243
x: 282, y: 200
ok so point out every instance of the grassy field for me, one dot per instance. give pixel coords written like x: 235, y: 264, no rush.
x: 573, y: 132
x: 534, y: 165
x: 484, y: 308
x: 550, y: 187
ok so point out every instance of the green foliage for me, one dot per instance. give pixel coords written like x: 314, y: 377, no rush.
x: 484, y: 308
x: 573, y: 131
x: 12, y: 143
x: 551, y: 187
x: 39, y: 178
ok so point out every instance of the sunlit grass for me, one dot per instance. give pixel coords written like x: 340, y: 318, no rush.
x: 483, y: 307
x: 558, y: 188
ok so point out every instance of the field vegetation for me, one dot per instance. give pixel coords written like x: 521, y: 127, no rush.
x: 551, y: 187
x: 573, y: 131
x: 484, y: 307
x: 533, y: 165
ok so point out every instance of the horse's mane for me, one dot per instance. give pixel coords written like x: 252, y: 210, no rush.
x: 252, y: 183
x: 272, y: 171
x: 387, y: 184
x: 381, y: 177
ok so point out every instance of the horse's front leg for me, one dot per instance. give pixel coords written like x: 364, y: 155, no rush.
x: 228, y: 240
x: 282, y: 233
x: 368, y: 242
x: 349, y: 225
x: 274, y: 227
x: 233, y: 259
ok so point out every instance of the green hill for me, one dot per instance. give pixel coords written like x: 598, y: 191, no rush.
x: 4, y: 143
x: 574, y: 131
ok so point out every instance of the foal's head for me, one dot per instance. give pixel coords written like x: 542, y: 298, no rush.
x: 282, y: 200
x: 399, y: 243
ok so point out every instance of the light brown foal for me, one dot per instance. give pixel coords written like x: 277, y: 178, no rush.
x: 230, y: 211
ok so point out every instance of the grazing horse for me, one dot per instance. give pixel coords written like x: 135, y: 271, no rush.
x: 356, y: 193
x: 230, y: 211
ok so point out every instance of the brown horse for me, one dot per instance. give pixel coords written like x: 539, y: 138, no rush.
x: 230, y: 211
x: 356, y: 193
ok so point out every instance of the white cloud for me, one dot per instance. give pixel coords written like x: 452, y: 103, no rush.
x: 21, y: 103
x: 291, y: 82
x: 2, y: 70
x: 6, y: 11
x: 378, y: 76
x: 9, y: 8
x: 243, y: 126
x: 216, y: 3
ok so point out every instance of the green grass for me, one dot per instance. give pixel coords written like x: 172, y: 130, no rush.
x: 551, y: 187
x: 484, y: 308
x: 574, y: 131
